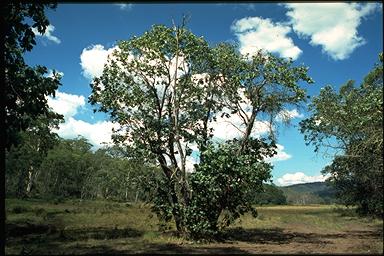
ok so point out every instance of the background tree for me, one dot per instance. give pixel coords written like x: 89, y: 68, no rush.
x: 23, y: 161
x: 65, y: 168
x: 351, y: 122
x: 166, y: 88
x: 117, y: 176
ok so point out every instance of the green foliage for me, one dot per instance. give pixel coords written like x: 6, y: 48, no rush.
x: 23, y: 161
x: 54, y: 168
x: 26, y: 87
x: 65, y: 168
x: 224, y: 183
x: 353, y: 119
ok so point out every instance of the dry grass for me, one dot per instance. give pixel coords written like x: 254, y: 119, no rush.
x: 89, y: 227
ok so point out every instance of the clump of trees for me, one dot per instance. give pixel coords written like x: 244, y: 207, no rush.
x: 350, y: 122
x: 166, y: 88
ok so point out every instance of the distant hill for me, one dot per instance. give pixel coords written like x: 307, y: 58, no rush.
x: 309, y: 193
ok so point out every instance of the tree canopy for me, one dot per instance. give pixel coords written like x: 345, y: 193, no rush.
x: 26, y: 88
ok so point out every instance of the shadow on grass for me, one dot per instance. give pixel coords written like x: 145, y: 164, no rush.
x: 155, y: 248
x: 267, y: 236
x: 25, y: 229
x: 279, y: 236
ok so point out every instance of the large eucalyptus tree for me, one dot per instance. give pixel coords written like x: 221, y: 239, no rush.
x: 167, y: 88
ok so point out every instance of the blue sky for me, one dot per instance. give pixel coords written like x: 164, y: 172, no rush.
x: 337, y: 41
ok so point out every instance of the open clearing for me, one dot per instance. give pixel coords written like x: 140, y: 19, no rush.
x: 89, y: 227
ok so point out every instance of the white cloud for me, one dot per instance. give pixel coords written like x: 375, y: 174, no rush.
x: 281, y: 155
x: 298, y: 178
x: 97, y: 133
x: 333, y: 26
x: 66, y: 104
x: 48, y: 34
x: 255, y: 33
x: 125, y: 6
x: 286, y: 115
x: 93, y: 59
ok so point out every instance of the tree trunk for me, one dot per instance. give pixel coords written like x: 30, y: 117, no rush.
x: 177, y: 215
x: 30, y: 180
x: 136, y: 196
x: 248, y: 130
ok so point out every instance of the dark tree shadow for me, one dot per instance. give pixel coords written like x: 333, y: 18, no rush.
x: 279, y: 236
x: 155, y: 249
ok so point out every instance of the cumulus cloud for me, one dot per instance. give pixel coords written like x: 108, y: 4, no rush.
x: 255, y: 33
x: 333, y: 26
x: 97, y: 133
x: 66, y: 104
x: 93, y: 59
x: 281, y: 155
x: 298, y: 178
x: 125, y: 6
x: 48, y: 34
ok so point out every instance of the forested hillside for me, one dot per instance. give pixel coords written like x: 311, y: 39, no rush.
x: 309, y: 193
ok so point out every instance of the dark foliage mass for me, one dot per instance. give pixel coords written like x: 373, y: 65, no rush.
x: 350, y: 122
x: 26, y: 87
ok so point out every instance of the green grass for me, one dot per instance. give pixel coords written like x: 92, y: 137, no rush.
x: 83, y: 227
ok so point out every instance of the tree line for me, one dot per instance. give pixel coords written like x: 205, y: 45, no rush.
x: 72, y: 169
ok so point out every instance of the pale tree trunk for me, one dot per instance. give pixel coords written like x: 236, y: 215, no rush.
x: 30, y: 180
x: 136, y: 196
x: 248, y: 131
x: 184, y: 188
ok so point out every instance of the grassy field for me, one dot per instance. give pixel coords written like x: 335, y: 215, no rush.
x: 74, y: 227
